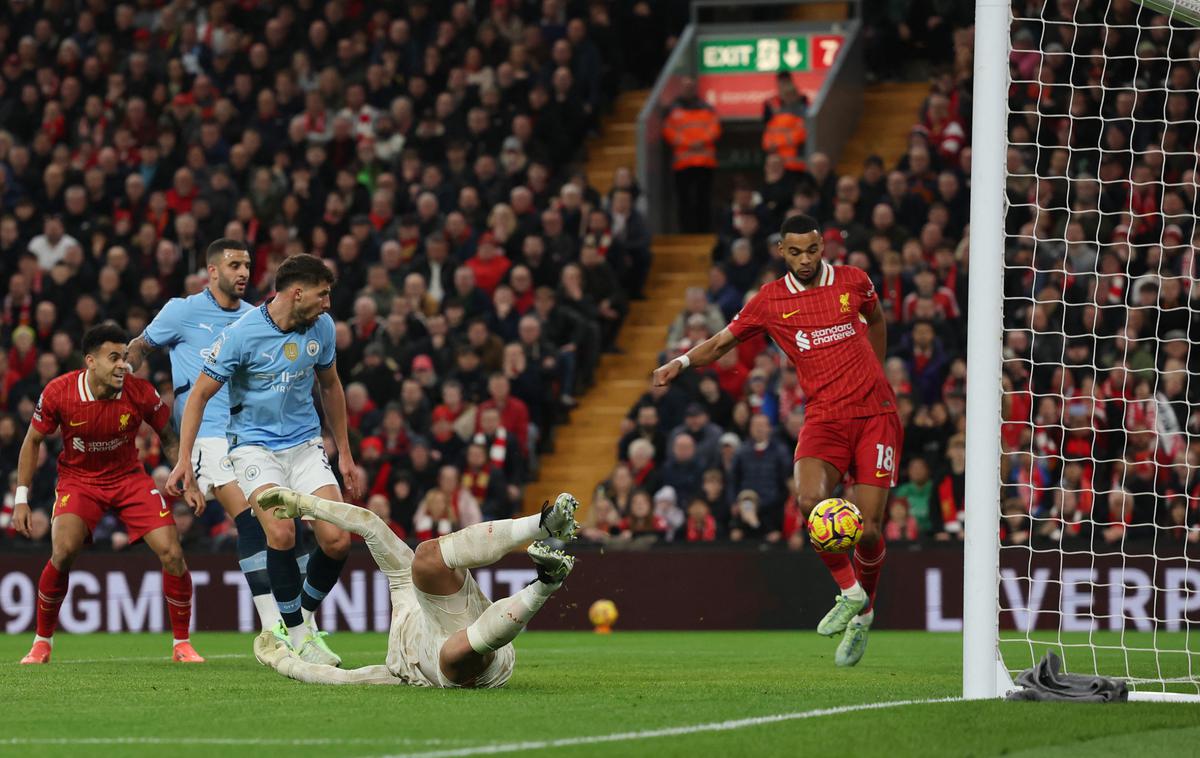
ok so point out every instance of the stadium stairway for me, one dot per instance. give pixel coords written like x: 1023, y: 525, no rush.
x: 585, y: 449
x: 617, y: 144
x: 889, y: 112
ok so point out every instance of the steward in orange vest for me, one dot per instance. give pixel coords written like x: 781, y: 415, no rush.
x: 691, y: 128
x: 785, y: 132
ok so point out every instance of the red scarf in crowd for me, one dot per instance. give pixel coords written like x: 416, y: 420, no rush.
x: 476, y: 482
x: 498, y: 450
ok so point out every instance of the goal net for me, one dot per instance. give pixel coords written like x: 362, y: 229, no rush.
x: 1099, y: 433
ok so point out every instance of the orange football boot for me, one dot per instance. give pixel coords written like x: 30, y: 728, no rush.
x: 39, y: 653
x: 185, y: 653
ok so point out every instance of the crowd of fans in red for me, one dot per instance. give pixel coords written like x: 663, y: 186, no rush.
x: 1099, y: 414
x: 424, y: 150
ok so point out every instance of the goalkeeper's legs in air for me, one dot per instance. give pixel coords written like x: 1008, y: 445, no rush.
x: 868, y: 563
x: 468, y: 654
x: 440, y: 571
x: 815, y: 480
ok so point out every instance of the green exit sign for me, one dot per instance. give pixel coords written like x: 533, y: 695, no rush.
x: 762, y: 54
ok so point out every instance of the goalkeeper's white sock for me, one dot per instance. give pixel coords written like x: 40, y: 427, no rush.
x: 865, y: 618
x: 855, y: 592
x: 503, y: 621
x: 485, y: 543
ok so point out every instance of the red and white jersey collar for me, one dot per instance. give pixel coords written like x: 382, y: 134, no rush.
x: 85, y: 389
x: 824, y: 279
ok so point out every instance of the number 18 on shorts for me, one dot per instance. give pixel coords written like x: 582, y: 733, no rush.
x: 867, y: 448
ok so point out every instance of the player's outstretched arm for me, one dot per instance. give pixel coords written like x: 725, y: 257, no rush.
x: 26, y: 465
x: 182, y: 477
x: 707, y: 352
x: 333, y: 400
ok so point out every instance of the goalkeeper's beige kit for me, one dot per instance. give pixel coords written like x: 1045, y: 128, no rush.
x: 421, y: 623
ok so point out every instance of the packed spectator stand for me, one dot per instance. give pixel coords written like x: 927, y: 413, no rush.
x: 429, y: 152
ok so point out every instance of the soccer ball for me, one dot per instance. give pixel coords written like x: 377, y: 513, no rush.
x: 835, y: 525
x: 603, y: 614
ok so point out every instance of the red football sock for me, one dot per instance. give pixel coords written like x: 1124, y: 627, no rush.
x: 178, y: 591
x: 52, y: 588
x: 840, y: 566
x: 868, y: 563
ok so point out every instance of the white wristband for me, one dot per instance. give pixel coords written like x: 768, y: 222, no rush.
x: 684, y: 362
x: 22, y: 496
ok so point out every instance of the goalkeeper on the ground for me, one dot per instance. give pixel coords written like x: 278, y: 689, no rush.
x: 444, y: 632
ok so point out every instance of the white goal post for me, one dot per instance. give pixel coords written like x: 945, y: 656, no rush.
x: 1076, y: 580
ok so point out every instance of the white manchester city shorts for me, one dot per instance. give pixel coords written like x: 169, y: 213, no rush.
x: 304, y: 468
x: 210, y: 461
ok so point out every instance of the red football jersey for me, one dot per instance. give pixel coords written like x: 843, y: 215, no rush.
x: 98, y: 435
x: 823, y: 331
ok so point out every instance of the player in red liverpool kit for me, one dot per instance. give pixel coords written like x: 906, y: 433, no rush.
x: 827, y: 320
x: 100, y: 410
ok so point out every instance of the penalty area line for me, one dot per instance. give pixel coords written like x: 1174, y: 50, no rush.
x: 674, y: 731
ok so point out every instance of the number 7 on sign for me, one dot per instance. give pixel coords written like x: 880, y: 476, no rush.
x: 825, y: 50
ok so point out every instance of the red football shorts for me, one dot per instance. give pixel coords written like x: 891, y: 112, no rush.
x: 135, y: 499
x: 868, y: 448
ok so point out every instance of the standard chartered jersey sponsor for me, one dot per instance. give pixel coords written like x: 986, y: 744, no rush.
x: 828, y: 335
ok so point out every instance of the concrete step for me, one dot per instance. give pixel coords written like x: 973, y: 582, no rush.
x: 889, y: 112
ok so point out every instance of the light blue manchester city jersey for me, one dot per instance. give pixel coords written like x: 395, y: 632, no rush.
x: 187, y: 328
x: 270, y: 375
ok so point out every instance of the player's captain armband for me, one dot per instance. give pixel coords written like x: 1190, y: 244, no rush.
x: 684, y: 362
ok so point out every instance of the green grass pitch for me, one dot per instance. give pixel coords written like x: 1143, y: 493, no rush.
x: 117, y: 695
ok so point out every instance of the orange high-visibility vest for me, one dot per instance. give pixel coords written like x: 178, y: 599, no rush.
x: 785, y: 136
x: 693, y: 134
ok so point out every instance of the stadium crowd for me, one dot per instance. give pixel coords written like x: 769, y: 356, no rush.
x: 427, y: 151
x: 1099, y: 423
